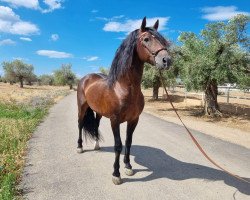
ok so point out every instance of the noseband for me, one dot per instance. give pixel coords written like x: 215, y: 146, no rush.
x: 153, y: 53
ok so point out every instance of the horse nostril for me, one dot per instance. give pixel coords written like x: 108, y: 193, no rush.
x: 164, y: 60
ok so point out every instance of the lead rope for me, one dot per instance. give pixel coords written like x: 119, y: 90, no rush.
x: 194, y: 139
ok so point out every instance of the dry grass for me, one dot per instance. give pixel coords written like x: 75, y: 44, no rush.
x: 30, y: 94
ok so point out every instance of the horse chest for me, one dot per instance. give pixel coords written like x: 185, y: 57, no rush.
x: 131, y: 107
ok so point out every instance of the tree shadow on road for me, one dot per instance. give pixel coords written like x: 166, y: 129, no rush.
x: 164, y: 166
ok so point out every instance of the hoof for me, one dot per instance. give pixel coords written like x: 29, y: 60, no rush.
x: 129, y: 172
x: 117, y: 180
x: 79, y: 150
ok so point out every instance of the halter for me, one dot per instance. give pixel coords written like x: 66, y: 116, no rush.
x: 153, y: 53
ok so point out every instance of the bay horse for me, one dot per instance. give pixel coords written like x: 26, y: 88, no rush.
x: 118, y: 95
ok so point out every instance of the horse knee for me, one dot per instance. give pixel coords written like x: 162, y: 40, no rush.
x: 118, y: 148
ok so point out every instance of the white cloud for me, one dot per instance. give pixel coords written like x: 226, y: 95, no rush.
x: 7, y: 42
x: 94, y: 11
x: 11, y: 23
x: 54, y: 54
x: 25, y: 39
x: 131, y: 25
x: 91, y: 58
x: 7, y: 14
x: 52, y: 4
x: 221, y: 13
x: 33, y: 4
x: 23, y: 28
x: 54, y: 37
x: 110, y: 19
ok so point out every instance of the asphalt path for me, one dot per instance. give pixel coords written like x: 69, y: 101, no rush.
x: 167, y: 165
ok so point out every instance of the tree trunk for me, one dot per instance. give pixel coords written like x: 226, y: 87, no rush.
x: 211, y: 104
x: 156, y: 86
x: 70, y: 86
x: 21, y: 82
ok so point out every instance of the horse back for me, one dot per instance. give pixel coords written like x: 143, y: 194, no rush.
x: 96, y: 92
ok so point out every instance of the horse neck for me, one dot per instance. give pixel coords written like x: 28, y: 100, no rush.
x: 133, y: 76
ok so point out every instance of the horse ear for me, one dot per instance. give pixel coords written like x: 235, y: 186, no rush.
x: 143, y: 24
x: 156, y: 24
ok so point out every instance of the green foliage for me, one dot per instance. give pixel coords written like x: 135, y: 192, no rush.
x: 104, y: 70
x: 220, y: 54
x: 46, y: 79
x: 18, y: 112
x: 9, y: 74
x: 7, y: 187
x: 17, y: 70
x: 64, y: 75
x: 151, y: 76
x: 31, y: 78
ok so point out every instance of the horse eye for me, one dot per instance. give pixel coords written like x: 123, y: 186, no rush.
x: 146, y: 39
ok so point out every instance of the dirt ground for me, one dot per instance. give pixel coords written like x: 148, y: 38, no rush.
x: 31, y: 94
x: 233, y: 126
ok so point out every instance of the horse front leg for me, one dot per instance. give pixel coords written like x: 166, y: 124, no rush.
x: 130, y: 130
x: 117, y: 148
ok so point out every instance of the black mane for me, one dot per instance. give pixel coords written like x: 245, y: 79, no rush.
x: 123, y: 57
x: 124, y: 54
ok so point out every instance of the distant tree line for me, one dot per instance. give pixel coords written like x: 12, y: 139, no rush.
x: 19, y: 72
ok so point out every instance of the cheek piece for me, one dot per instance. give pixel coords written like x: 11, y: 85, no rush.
x: 153, y: 53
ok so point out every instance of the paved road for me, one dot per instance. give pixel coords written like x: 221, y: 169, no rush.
x: 167, y: 164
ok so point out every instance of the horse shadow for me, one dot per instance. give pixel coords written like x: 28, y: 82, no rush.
x: 164, y: 166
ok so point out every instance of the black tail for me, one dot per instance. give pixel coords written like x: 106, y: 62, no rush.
x: 90, y: 126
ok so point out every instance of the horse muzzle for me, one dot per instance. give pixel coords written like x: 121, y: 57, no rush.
x: 163, y: 60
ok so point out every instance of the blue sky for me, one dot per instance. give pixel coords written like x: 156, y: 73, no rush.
x: 86, y: 33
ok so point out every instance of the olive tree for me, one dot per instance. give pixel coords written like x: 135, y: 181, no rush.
x: 219, y: 54
x: 17, y: 70
x: 151, y: 78
x: 64, y: 76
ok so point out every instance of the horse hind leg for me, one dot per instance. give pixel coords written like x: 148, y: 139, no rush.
x: 98, y: 118
x: 81, y: 113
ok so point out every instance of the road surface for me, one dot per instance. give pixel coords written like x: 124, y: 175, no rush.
x: 167, y: 164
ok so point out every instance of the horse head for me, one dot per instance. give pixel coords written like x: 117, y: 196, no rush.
x: 152, y: 47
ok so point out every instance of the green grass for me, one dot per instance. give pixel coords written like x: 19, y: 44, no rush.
x: 17, y: 122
